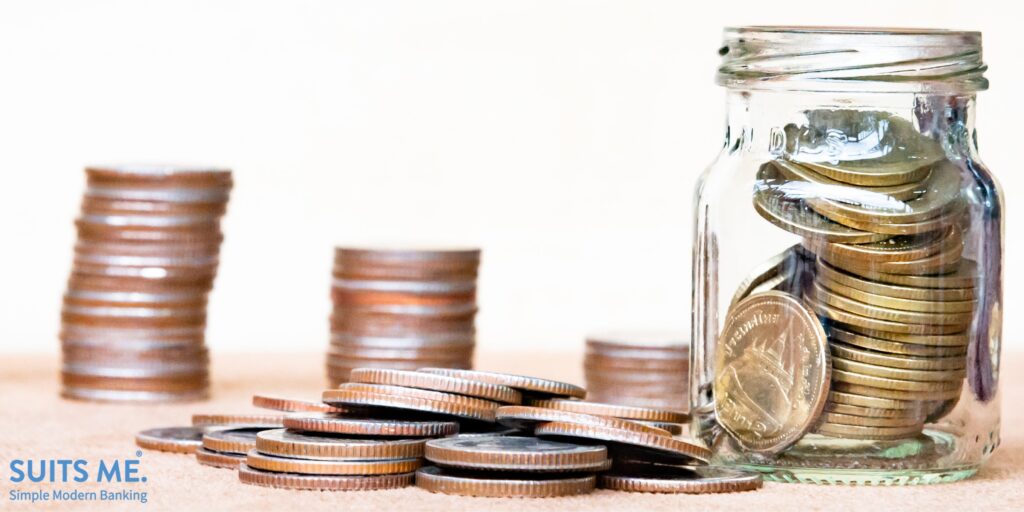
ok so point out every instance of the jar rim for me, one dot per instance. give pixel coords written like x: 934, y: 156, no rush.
x: 852, y: 59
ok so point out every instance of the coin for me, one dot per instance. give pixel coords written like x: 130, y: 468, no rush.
x: 873, y: 402
x: 879, y: 313
x: 171, y: 439
x: 852, y: 353
x: 772, y: 372
x: 829, y: 417
x: 918, y: 348
x: 621, y: 442
x: 508, y: 453
x: 939, y: 263
x: 527, y: 417
x: 675, y: 429
x: 268, y: 420
x: 390, y: 401
x: 780, y: 203
x: 959, y: 339
x: 286, y: 443
x: 264, y: 462
x: 895, y: 249
x: 527, y: 385
x: 944, y: 376
x: 235, y: 440
x: 500, y: 485
x: 868, y: 412
x: 615, y: 411
x: 863, y: 432
x: 830, y: 274
x: 427, y: 394
x: 889, y: 388
x: 658, y: 478
x: 219, y: 460
x: 332, y: 424
x: 900, y: 304
x: 251, y: 476
x: 902, y: 192
x: 435, y: 382
x: 852, y: 320
x: 965, y: 276
x: 773, y: 271
x: 291, y: 405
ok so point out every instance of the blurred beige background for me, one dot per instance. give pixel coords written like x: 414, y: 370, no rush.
x: 564, y: 137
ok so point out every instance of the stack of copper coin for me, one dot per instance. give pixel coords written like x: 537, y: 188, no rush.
x: 638, y: 368
x: 135, y: 309
x: 402, y: 309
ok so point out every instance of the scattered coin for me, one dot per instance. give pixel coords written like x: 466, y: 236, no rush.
x: 333, y: 424
x: 629, y: 444
x: 527, y: 417
x: 659, y: 478
x: 252, y: 476
x: 291, y: 405
x: 615, y: 411
x: 436, y: 382
x: 449, y: 408
x: 219, y: 460
x: 171, y: 439
x: 286, y: 443
x: 267, y: 420
x: 500, y: 485
x: 236, y: 441
x: 513, y: 453
x: 264, y: 462
x: 532, y: 386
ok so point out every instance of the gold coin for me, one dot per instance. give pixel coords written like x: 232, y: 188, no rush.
x: 829, y: 273
x: 628, y: 444
x: 502, y: 485
x: 902, y: 192
x: 436, y: 382
x: 880, y: 376
x: 780, y: 203
x: 852, y: 353
x: 870, y: 433
x: 949, y: 219
x: 897, y: 248
x: 870, y: 402
x: 516, y: 453
x: 942, y: 190
x: 829, y: 417
x: 286, y: 443
x: 958, y: 340
x: 263, y: 462
x: 252, y: 476
x: 771, y: 371
x: 615, y: 411
x: 874, y: 324
x: 658, y: 478
x: 769, y: 274
x: 873, y: 370
x: 890, y: 392
x: 871, y: 412
x: 921, y: 306
x: 938, y: 263
x: 965, y: 276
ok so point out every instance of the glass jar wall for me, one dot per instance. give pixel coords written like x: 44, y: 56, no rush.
x: 847, y: 260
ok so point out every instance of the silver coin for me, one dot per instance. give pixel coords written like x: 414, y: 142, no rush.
x: 513, y: 453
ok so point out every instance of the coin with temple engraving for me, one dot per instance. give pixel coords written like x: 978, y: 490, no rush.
x: 772, y: 371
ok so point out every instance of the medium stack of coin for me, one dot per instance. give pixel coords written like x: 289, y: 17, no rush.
x: 648, y: 369
x: 135, y: 308
x: 880, y: 263
x: 402, y: 309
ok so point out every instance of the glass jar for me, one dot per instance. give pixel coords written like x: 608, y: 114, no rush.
x: 847, y: 260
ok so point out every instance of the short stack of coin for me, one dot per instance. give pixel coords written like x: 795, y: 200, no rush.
x: 638, y: 368
x: 402, y: 309
x: 889, y: 279
x: 134, y: 312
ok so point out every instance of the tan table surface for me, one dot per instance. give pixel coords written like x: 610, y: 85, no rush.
x: 35, y: 423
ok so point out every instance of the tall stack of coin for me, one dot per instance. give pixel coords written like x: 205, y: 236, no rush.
x: 402, y: 309
x: 134, y: 313
x: 648, y: 369
x: 884, y: 269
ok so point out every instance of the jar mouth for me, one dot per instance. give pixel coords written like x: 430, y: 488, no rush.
x: 852, y: 59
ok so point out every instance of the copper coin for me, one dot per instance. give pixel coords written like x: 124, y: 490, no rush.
x: 514, y: 453
x: 527, y: 417
x: 349, y: 398
x: 291, y: 405
x: 251, y: 476
x: 236, y: 441
x: 657, y: 478
x: 171, y: 439
x: 435, y: 382
x: 219, y: 460
x: 263, y: 462
x: 500, y: 485
x: 334, y: 424
x: 268, y: 420
x: 528, y: 385
x: 615, y: 411
x: 620, y: 442
x: 287, y: 443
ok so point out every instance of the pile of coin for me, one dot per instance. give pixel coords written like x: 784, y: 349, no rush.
x: 648, y: 369
x: 880, y: 262
x: 378, y: 431
x: 402, y: 309
x: 135, y: 308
